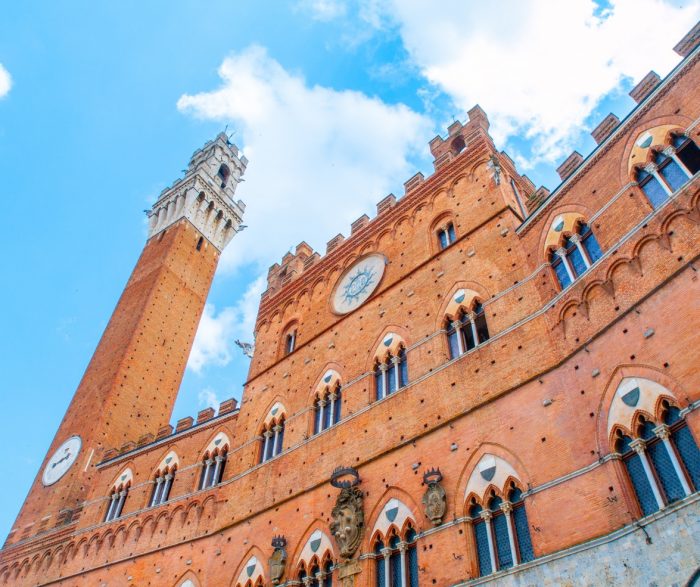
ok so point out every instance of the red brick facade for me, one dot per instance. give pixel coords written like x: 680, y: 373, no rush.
x: 534, y: 398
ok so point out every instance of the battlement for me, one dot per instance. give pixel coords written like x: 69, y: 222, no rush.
x: 225, y: 408
x: 459, y: 136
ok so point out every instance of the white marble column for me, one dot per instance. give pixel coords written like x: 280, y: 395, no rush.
x: 486, y: 516
x: 561, y: 253
x: 639, y: 446
x: 507, y: 508
x: 663, y: 432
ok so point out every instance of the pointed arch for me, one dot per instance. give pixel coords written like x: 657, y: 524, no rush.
x: 189, y: 579
x: 624, y: 415
x: 382, y: 517
x: 314, y: 544
x: 169, y: 460
x: 500, y: 452
x: 250, y: 569
x: 461, y: 295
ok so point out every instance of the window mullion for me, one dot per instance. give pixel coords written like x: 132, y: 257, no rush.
x: 486, y: 515
x: 664, y: 433
x: 639, y: 446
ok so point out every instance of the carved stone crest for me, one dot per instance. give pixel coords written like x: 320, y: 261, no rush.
x: 278, y: 560
x: 348, y: 517
x: 434, y: 500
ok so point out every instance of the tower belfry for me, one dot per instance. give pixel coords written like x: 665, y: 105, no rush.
x: 130, y: 385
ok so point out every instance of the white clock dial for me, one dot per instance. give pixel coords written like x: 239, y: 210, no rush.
x: 61, y: 460
x: 358, y: 283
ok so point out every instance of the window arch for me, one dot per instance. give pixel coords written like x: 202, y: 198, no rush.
x: 499, y: 523
x: 670, y: 157
x: 163, y: 482
x: 660, y: 455
x: 501, y: 531
x: 327, y: 407
x: 468, y: 330
x: 289, y: 339
x: 317, y: 573
x: 391, y: 373
x: 396, y: 558
x: 446, y: 235
x: 662, y: 459
x: 272, y: 434
x: 213, y: 465
x: 118, y: 495
x: 572, y: 247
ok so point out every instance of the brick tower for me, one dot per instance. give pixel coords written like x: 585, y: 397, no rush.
x: 130, y: 385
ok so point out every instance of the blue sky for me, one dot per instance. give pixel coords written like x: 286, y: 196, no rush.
x: 333, y: 102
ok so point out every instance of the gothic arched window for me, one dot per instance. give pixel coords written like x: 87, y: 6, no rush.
x: 468, y: 331
x: 446, y: 235
x: 662, y: 462
x: 318, y: 574
x: 576, y: 255
x: 272, y: 439
x: 396, y: 560
x: 669, y: 169
x: 213, y: 467
x: 327, y: 406
x: 163, y: 482
x: 117, y: 498
x: 501, y: 532
x: 391, y: 373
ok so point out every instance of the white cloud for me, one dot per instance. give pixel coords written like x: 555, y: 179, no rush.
x: 323, y: 10
x: 217, y: 331
x: 537, y: 67
x: 208, y: 398
x: 319, y: 158
x: 5, y: 81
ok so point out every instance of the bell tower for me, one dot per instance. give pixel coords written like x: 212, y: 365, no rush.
x: 131, y: 383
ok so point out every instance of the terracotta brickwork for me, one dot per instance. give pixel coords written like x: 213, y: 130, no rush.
x: 535, y: 396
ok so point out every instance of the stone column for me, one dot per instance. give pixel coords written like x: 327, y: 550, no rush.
x: 576, y: 239
x: 120, y: 504
x: 457, y: 325
x: 486, y: 516
x: 397, y: 379
x: 166, y: 490
x: 651, y: 168
x: 277, y: 449
x: 383, y: 368
x: 386, y: 553
x: 331, y: 400
x: 561, y: 253
x: 321, y: 409
x: 472, y: 324
x: 217, y: 469
x: 403, y: 547
x: 639, y: 446
x: 671, y: 152
x: 266, y: 445
x: 663, y: 432
x: 507, y: 508
x: 155, y: 498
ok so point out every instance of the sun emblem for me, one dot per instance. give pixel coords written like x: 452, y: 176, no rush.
x: 358, y: 283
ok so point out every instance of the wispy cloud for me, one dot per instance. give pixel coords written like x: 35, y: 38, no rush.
x: 537, y: 67
x: 323, y: 10
x: 319, y: 158
x: 208, y: 398
x: 214, y: 341
x: 5, y: 81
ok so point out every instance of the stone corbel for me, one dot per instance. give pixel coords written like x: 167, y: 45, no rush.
x: 609, y: 287
x: 636, y: 264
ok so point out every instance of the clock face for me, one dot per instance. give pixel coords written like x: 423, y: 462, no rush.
x: 61, y: 460
x: 358, y: 283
